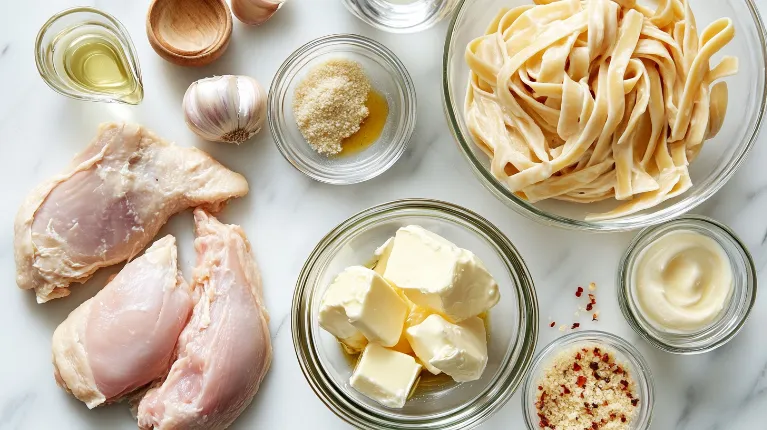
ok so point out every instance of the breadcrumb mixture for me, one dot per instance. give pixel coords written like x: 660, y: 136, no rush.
x: 584, y: 389
x: 329, y: 104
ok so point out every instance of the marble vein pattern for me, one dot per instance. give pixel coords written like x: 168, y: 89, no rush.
x: 286, y: 214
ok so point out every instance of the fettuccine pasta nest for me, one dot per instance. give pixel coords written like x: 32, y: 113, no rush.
x: 597, y: 99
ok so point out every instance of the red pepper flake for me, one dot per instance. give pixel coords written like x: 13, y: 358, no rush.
x: 634, y: 402
x: 625, y: 383
x: 606, y: 358
x: 581, y: 381
x: 567, y: 390
x: 589, y: 307
x: 596, y: 351
x: 576, y: 367
x: 575, y: 325
x: 578, y: 356
x: 594, y: 425
x: 594, y: 365
x: 623, y: 418
x: 579, y: 292
x: 553, y: 323
x: 592, y: 298
x: 540, y: 388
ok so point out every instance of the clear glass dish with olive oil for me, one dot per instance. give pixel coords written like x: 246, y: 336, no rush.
x: 87, y: 54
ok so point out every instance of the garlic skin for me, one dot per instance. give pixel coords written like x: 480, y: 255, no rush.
x: 225, y: 108
x: 255, y: 12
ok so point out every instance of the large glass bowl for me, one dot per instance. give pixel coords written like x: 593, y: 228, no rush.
x: 512, y: 323
x: 717, y: 162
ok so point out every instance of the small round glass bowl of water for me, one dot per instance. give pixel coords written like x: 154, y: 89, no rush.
x: 401, y: 16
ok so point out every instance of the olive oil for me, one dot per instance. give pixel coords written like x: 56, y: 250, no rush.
x: 86, y: 54
x: 370, y: 129
x: 95, y: 63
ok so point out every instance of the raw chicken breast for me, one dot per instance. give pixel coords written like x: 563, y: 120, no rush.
x: 109, y: 203
x: 225, y: 351
x: 124, y: 337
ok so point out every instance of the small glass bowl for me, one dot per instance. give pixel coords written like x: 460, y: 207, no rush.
x: 512, y: 323
x: 731, y: 319
x: 387, y: 75
x: 624, y: 352
x: 57, y: 33
x: 401, y: 16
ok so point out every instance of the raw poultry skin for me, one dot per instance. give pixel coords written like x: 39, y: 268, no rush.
x: 109, y: 204
x: 225, y: 350
x: 124, y: 337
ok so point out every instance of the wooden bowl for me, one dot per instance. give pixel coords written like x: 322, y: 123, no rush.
x: 189, y: 32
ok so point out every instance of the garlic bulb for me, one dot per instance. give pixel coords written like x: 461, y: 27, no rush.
x: 255, y: 12
x: 225, y: 108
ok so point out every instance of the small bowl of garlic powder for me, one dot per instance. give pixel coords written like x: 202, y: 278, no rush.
x: 342, y: 109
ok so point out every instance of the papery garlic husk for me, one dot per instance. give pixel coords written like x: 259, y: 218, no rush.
x: 225, y: 108
x: 255, y: 12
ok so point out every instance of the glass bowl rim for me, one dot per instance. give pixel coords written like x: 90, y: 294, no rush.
x: 623, y: 282
x: 512, y: 372
x: 534, y: 213
x: 645, y: 376
x: 379, y: 51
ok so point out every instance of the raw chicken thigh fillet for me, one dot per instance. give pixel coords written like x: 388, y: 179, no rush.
x: 225, y: 351
x: 109, y: 204
x: 124, y: 337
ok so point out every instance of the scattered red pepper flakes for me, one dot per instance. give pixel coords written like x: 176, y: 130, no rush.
x: 581, y: 381
x: 578, y: 356
x: 576, y: 367
x: 592, y: 299
x: 589, y: 307
x: 553, y: 323
x: 575, y: 325
x: 579, y: 292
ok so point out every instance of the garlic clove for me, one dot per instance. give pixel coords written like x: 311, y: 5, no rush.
x: 225, y: 108
x: 255, y: 12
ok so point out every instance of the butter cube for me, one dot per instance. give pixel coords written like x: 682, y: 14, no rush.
x: 382, y: 256
x: 360, y: 303
x: 459, y: 350
x: 436, y: 274
x: 385, y: 376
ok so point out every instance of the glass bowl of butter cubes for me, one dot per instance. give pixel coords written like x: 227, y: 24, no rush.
x: 415, y: 314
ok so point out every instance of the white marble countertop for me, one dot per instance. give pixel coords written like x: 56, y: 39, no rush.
x: 286, y: 213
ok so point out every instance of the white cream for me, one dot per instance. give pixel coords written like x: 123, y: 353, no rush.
x: 682, y: 281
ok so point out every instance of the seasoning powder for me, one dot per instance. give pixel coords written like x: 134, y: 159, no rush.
x: 585, y: 388
x: 329, y: 104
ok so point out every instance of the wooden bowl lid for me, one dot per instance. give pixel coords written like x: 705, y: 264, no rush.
x: 189, y: 32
